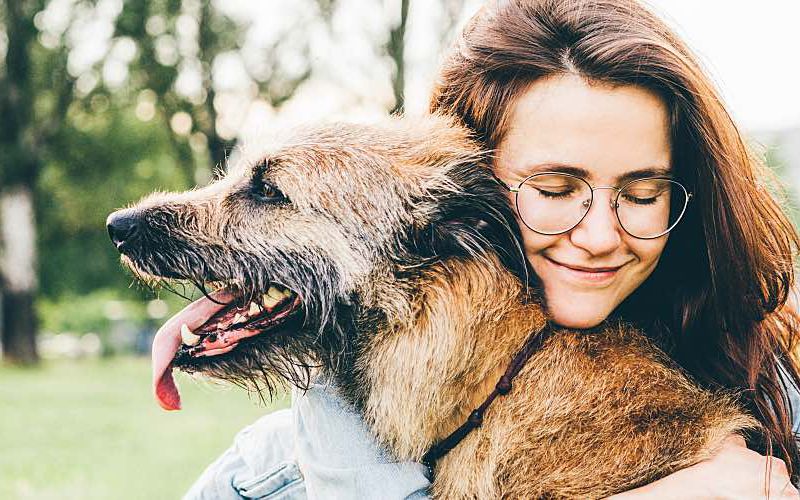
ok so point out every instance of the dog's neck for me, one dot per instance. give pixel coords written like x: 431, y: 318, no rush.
x: 426, y: 371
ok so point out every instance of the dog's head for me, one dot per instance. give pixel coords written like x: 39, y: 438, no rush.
x: 314, y: 245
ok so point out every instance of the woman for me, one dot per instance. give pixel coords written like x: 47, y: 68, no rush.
x: 591, y: 95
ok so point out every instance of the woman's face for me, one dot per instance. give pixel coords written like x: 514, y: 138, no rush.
x: 602, y: 133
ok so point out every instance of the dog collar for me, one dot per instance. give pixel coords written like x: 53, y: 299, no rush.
x: 503, y: 387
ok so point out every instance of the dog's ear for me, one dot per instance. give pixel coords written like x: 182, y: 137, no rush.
x: 472, y: 221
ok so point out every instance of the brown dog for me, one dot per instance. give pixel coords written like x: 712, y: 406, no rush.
x: 388, y: 257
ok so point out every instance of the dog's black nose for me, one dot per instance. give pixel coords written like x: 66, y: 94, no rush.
x: 122, y: 226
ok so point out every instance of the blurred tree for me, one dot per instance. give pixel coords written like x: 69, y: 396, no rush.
x: 70, y: 127
x: 450, y: 12
x: 107, y: 157
x: 33, y: 104
x: 395, y: 48
x: 183, y: 49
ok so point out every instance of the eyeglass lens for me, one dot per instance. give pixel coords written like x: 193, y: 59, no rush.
x: 555, y: 203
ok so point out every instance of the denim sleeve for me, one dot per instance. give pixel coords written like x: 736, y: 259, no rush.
x: 793, y: 395
x: 320, y: 449
x: 259, y: 464
x: 341, y: 459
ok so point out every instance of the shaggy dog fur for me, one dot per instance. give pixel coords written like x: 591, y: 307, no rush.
x: 406, y: 256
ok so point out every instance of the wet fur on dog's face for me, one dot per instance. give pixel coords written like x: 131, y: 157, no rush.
x: 346, y: 216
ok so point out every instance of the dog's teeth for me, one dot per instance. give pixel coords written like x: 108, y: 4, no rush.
x: 254, y: 309
x: 287, y: 293
x: 270, y: 301
x: 238, y: 318
x: 275, y: 293
x: 187, y: 337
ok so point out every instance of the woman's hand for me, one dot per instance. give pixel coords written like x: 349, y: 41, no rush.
x: 734, y: 472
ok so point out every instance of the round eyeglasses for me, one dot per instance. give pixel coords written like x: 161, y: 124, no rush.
x: 553, y: 203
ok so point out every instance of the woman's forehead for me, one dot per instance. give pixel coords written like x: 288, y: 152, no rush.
x: 605, y: 131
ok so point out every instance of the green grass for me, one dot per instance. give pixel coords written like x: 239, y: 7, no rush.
x: 91, y: 430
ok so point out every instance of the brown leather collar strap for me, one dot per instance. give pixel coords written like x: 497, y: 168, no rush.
x: 503, y: 387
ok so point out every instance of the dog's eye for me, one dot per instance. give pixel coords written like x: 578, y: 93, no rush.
x: 267, y: 192
x: 262, y: 189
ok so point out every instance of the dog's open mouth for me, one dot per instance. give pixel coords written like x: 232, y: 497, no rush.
x: 223, y: 331
x: 214, y: 326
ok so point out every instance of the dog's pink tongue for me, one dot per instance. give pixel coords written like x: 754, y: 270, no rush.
x: 168, y: 340
x: 167, y: 395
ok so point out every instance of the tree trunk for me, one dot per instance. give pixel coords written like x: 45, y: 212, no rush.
x: 19, y: 328
x: 218, y: 147
x: 19, y: 166
x: 18, y: 273
x: 396, y: 49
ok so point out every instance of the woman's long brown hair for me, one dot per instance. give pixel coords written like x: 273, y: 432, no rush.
x: 717, y: 300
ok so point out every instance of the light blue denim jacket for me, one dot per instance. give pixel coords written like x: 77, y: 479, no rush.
x: 321, y: 449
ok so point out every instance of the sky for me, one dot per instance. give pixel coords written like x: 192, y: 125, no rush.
x: 751, y: 49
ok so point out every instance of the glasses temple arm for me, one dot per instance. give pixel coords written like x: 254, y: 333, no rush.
x: 502, y: 183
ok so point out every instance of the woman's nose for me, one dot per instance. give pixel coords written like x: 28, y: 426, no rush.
x: 599, y: 232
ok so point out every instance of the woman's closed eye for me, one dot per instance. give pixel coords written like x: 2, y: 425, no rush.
x: 642, y: 196
x: 553, y: 188
x: 555, y: 192
x: 640, y: 201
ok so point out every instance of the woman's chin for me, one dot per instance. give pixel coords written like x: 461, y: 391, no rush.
x: 578, y: 316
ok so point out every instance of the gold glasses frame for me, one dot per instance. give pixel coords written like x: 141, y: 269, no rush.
x: 588, y: 203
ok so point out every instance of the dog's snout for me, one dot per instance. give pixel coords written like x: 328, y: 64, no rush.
x: 122, y: 227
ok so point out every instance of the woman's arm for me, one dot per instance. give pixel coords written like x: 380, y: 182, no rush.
x: 734, y: 472
x: 321, y: 448
x: 339, y: 456
x: 259, y: 463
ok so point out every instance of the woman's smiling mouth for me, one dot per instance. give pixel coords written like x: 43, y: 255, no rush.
x: 588, y: 275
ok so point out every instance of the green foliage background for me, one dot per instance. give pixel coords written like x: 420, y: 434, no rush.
x: 107, y: 159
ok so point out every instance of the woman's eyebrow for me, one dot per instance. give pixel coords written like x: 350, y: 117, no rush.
x: 643, y: 173
x: 654, y: 171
